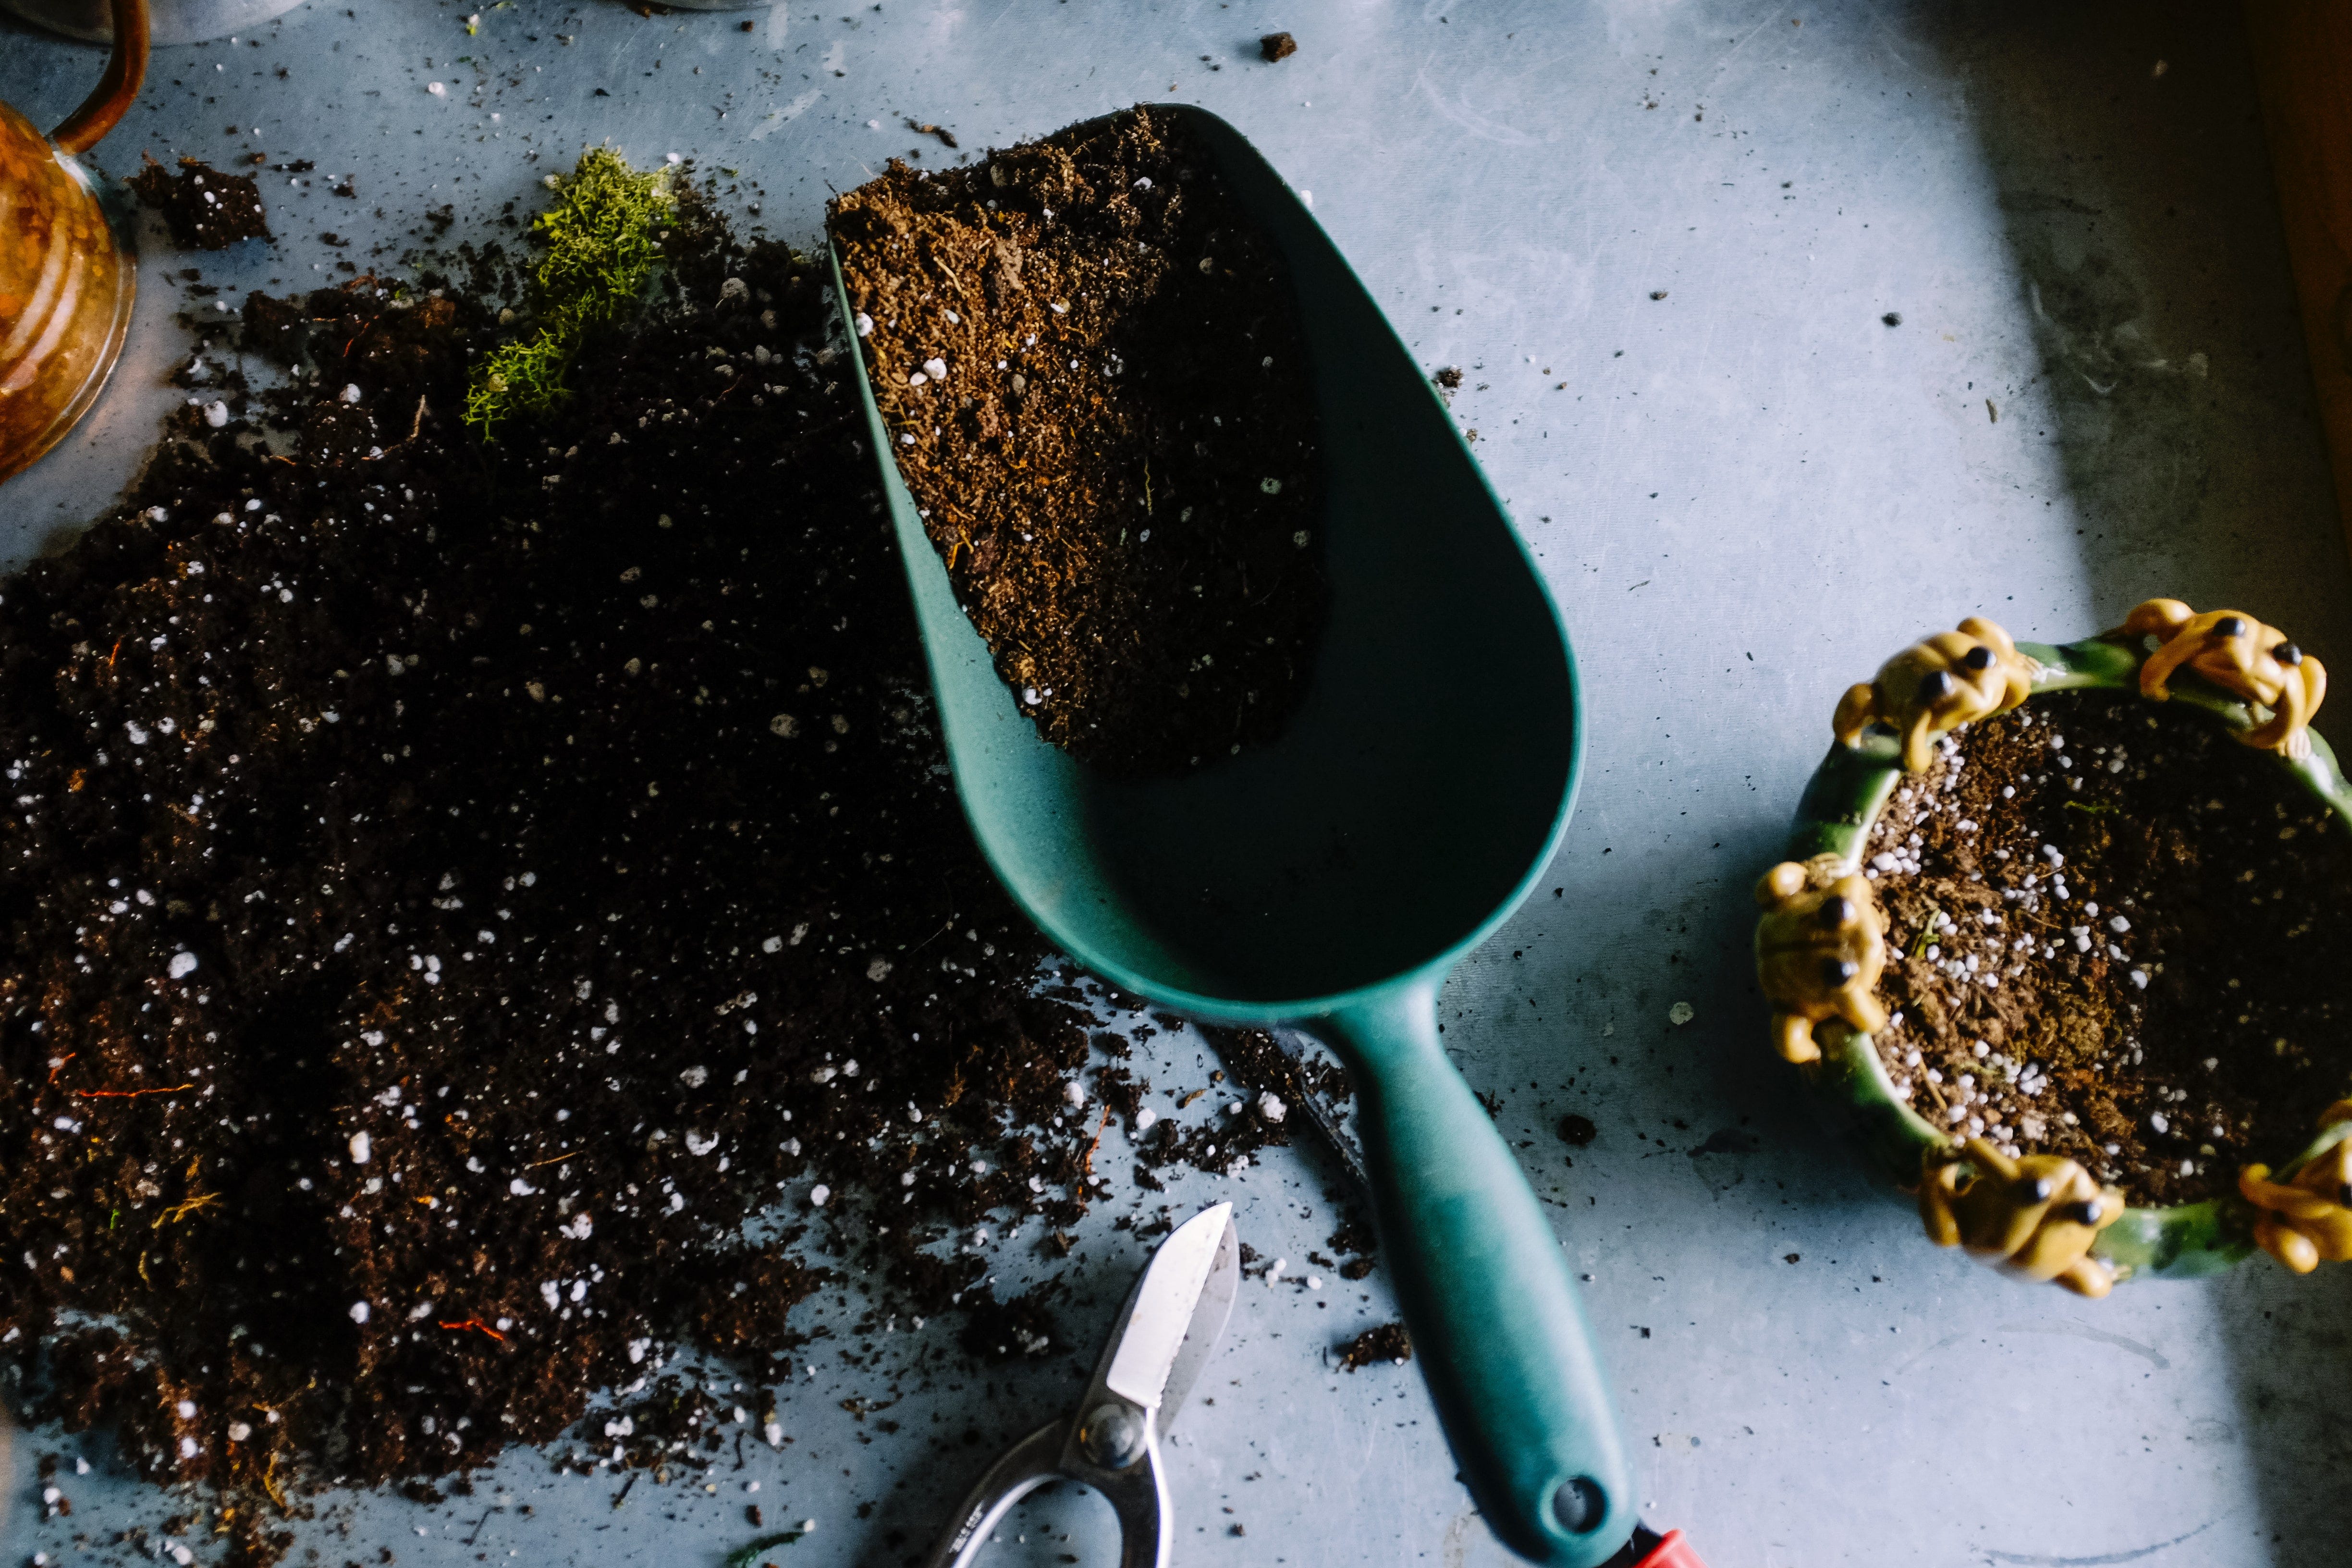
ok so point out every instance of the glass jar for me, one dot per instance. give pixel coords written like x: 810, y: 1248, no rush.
x: 66, y: 284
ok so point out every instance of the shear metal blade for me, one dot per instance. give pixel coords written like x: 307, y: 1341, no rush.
x: 1208, y: 1325
x: 1176, y: 1314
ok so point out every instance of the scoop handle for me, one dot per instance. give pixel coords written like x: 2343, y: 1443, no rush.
x: 1485, y: 1290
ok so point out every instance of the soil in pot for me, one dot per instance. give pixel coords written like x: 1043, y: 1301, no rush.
x: 1088, y: 360
x: 2110, y: 931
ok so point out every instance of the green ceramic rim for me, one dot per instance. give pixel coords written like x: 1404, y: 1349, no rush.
x: 1849, y: 1086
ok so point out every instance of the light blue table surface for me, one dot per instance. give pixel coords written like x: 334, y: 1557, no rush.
x: 1749, y: 491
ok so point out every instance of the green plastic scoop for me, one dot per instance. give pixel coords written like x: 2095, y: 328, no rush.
x: 1330, y: 880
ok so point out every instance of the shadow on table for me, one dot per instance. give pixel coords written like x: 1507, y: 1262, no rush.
x: 2125, y: 146
x: 2138, y: 209
x: 1059, y: 1523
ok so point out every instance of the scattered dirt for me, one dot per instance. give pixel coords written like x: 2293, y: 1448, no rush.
x: 1087, y: 360
x: 453, y: 889
x: 1277, y: 47
x: 204, y: 208
x: 1450, y: 378
x: 1355, y: 1235
x: 2109, y: 925
x: 1292, y: 1080
x: 1389, y: 1342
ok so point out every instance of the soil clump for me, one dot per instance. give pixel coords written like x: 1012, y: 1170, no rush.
x: 1089, y: 362
x: 204, y: 208
x: 1389, y: 1342
x: 2108, y: 926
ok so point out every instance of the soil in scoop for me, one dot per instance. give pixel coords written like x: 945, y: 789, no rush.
x: 1089, y: 360
x: 451, y: 888
x: 204, y: 208
x: 2110, y: 930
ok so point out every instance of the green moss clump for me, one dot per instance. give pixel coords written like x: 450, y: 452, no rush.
x: 601, y: 249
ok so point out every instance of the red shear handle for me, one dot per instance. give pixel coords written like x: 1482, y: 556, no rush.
x: 1671, y: 1551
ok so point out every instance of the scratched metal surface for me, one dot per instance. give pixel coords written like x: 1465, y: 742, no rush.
x: 1748, y: 491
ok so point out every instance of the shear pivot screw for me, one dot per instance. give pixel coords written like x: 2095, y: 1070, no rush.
x: 1111, y: 1436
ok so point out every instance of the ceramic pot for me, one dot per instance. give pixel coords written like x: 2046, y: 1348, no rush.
x: 66, y: 282
x: 1848, y: 1086
x: 170, y: 21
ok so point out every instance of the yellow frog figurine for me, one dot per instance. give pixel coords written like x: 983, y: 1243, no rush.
x: 2308, y: 1218
x: 2241, y: 656
x: 1937, y: 685
x: 2034, y: 1218
x: 1821, y: 945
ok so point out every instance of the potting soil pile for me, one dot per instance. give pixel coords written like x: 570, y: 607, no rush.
x: 1088, y: 360
x: 2108, y: 927
x: 453, y: 885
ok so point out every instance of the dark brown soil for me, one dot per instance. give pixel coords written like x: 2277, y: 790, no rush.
x: 1096, y: 389
x: 451, y: 888
x: 204, y: 208
x: 1389, y: 1343
x: 1277, y: 47
x: 2129, y: 963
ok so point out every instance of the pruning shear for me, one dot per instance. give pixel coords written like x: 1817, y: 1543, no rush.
x: 1166, y: 1332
